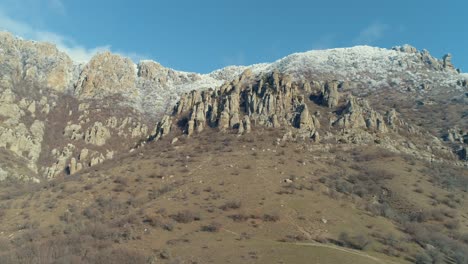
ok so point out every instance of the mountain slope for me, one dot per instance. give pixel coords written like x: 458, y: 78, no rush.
x: 217, y: 197
x: 353, y: 155
x: 59, y: 117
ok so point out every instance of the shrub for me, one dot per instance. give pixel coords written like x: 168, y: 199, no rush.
x: 239, y: 217
x: 213, y: 227
x: 452, y: 224
x: 185, y: 216
x: 231, y: 205
x: 121, y: 180
x: 359, y: 242
x: 271, y: 217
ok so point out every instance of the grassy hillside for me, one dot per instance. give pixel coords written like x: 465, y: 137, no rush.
x: 221, y: 198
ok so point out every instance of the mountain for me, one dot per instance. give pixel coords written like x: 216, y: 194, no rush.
x: 349, y: 155
x: 59, y: 116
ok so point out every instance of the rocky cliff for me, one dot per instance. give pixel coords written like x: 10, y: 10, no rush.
x: 322, y: 115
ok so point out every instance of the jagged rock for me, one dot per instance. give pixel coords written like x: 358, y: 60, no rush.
x: 3, y: 175
x: 223, y: 124
x: 305, y: 120
x: 330, y: 94
x: 316, y: 137
x: 162, y: 128
x: 153, y: 71
x: 109, y: 155
x: 74, y: 166
x: 97, y: 135
x: 30, y: 62
x: 138, y: 130
x: 24, y: 142
x: 457, y: 135
x: 83, y: 154
x: 406, y: 48
x: 32, y: 108
x: 271, y: 100
x: 463, y: 153
x: 360, y: 115
x: 61, y: 158
x: 73, y: 131
x: 447, y: 62
x: 306, y: 87
x: 392, y: 119
x: 246, y: 124
x: 106, y: 74
x: 96, y: 160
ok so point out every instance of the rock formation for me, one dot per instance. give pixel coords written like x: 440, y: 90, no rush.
x: 106, y: 74
x: 97, y: 134
x: 358, y: 114
x: 330, y: 96
x: 271, y: 101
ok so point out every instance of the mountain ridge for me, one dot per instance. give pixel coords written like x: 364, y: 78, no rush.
x: 62, y: 117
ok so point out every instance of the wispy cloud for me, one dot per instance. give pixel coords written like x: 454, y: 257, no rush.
x: 77, y: 52
x: 371, y: 34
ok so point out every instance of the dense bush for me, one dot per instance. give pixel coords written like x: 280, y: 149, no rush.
x: 359, y: 242
x: 186, y: 216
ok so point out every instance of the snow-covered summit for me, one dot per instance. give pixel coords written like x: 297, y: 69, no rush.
x: 150, y: 87
x: 370, y: 67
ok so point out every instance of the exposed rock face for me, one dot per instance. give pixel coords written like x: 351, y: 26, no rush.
x: 97, y: 134
x: 463, y: 153
x: 330, y: 95
x: 447, y: 62
x: 163, y: 128
x: 270, y: 100
x: 27, y: 63
x: 457, y: 135
x: 358, y: 114
x: 106, y: 74
x: 23, y: 139
x: 3, y: 175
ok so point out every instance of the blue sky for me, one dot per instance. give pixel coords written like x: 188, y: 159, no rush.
x: 204, y: 35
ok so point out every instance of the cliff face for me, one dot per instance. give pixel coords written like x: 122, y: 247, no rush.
x: 58, y: 117
x: 274, y: 100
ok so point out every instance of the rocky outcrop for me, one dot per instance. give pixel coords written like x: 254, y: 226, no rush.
x: 358, y: 114
x: 271, y: 100
x: 457, y: 135
x: 97, y: 135
x: 330, y: 95
x: 29, y: 63
x: 163, y: 128
x: 3, y: 175
x: 61, y: 157
x: 425, y: 57
x: 106, y: 74
x: 447, y: 62
x: 21, y: 138
x: 463, y: 153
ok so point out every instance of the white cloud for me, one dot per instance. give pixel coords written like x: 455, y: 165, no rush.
x: 371, y: 34
x: 77, y: 52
